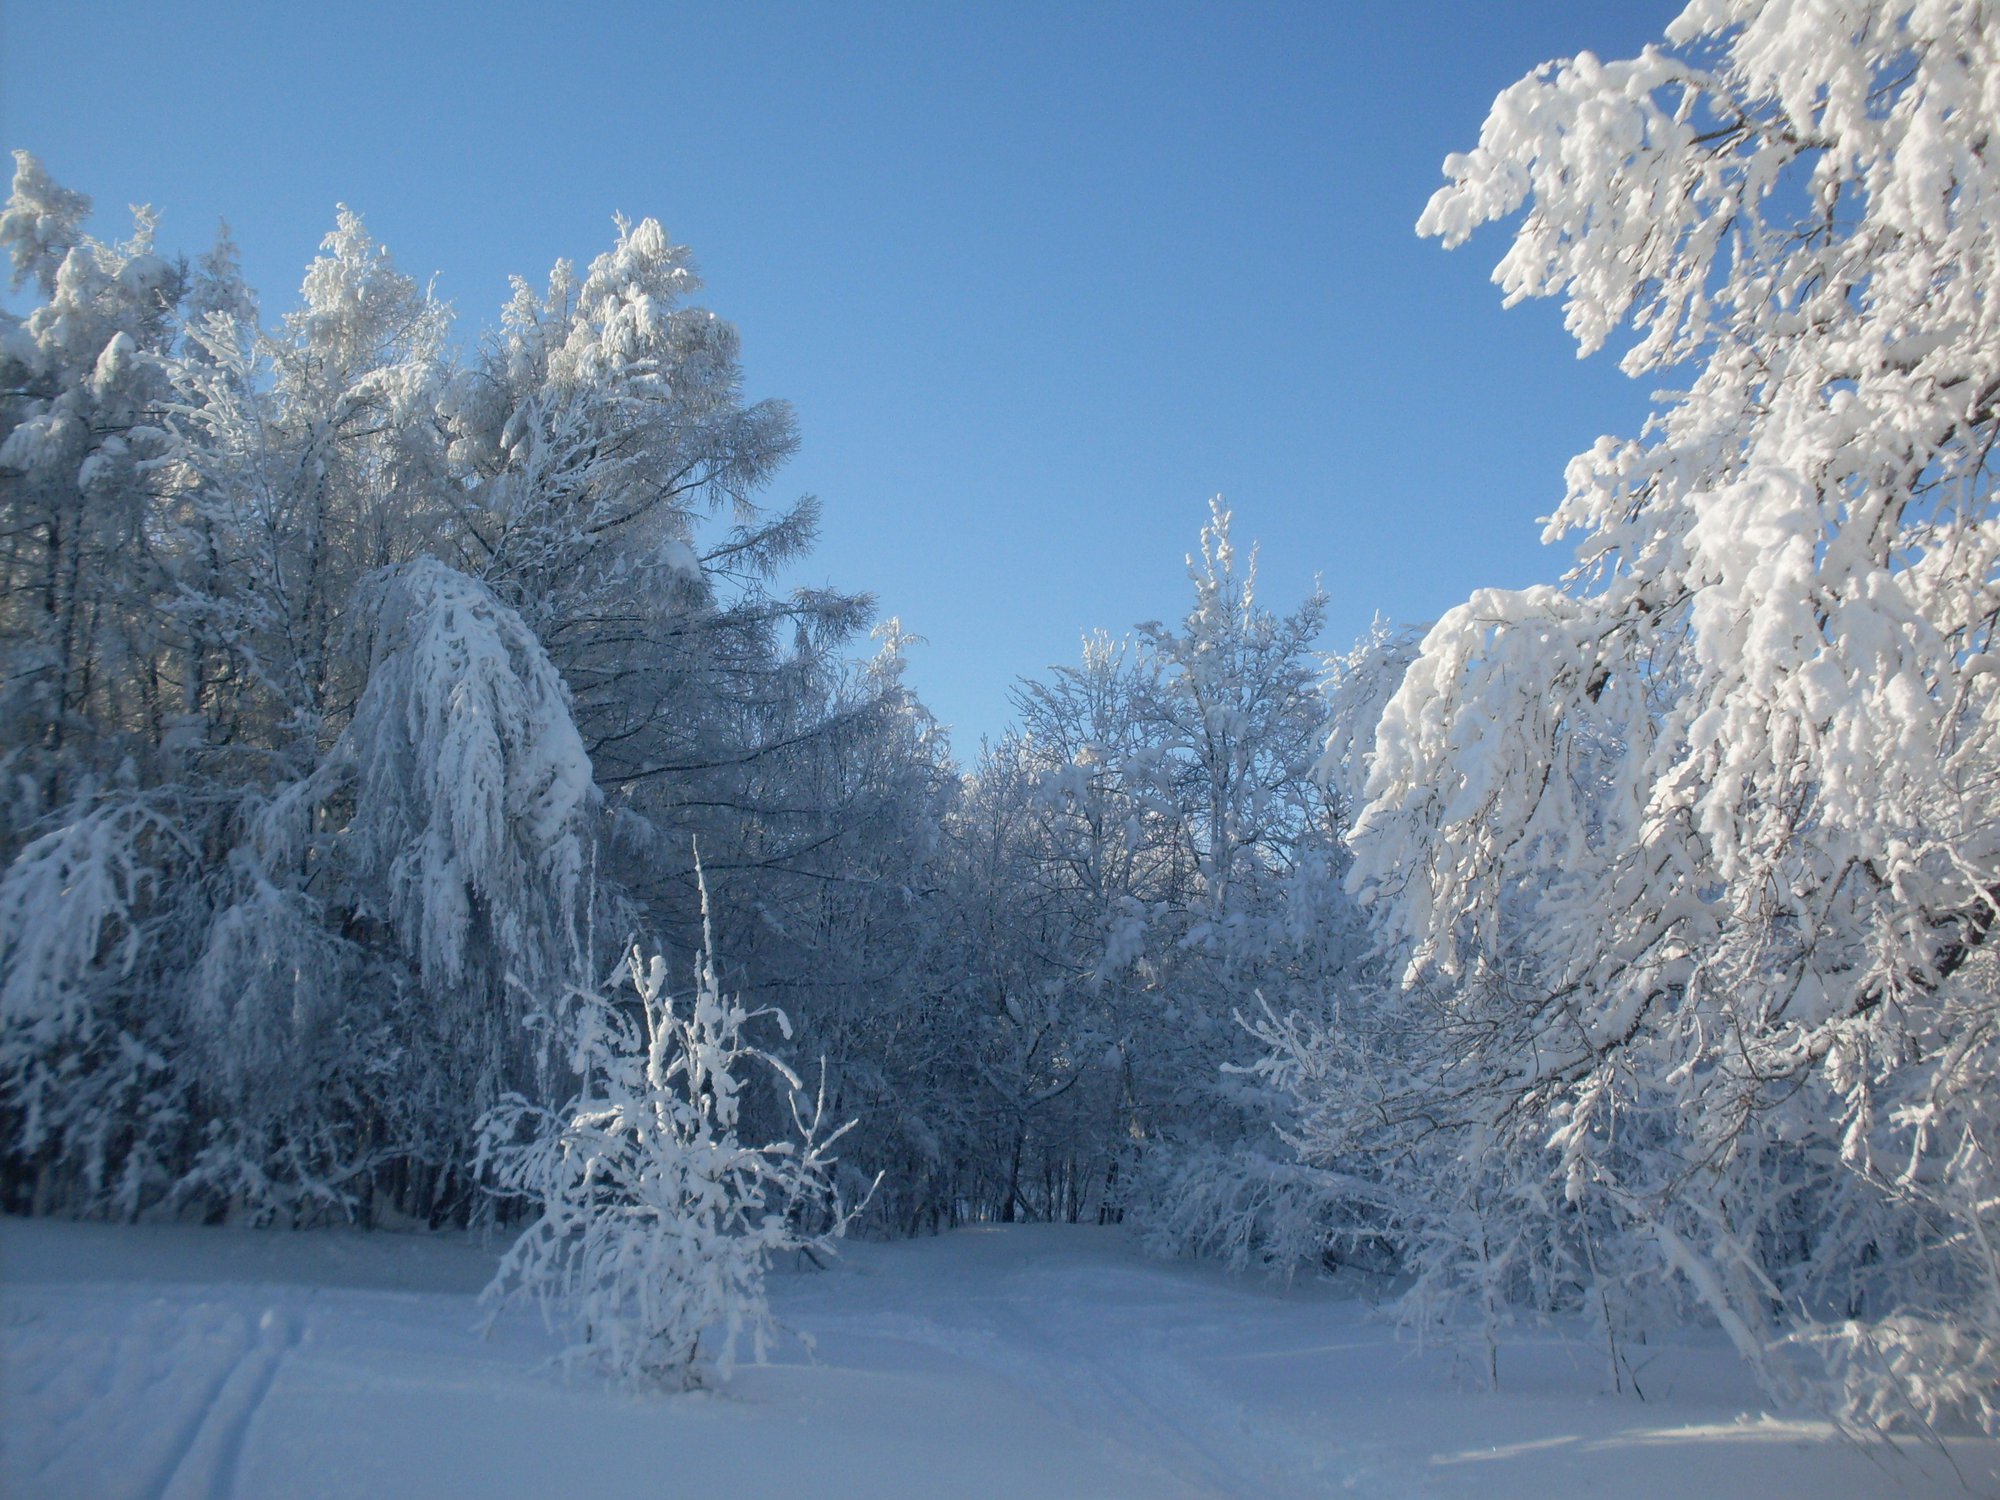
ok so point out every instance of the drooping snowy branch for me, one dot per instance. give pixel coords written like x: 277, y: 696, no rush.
x: 1700, y: 851
x: 470, y: 783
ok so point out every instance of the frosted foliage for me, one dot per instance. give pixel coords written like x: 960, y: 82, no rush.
x: 66, y: 913
x: 1149, y: 851
x: 83, y: 940
x: 81, y: 376
x: 1358, y: 688
x: 306, y: 459
x: 608, y: 418
x: 41, y: 223
x: 354, y: 612
x: 470, y: 779
x: 654, y: 1223
x: 1699, y: 851
x: 1235, y: 709
x: 366, y: 333
x: 1250, y: 1209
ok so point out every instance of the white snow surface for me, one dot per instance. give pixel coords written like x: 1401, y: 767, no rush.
x: 1029, y: 1361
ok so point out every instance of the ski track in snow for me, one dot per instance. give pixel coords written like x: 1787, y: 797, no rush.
x: 1126, y: 1354
x: 206, y: 1467
x: 157, y: 1409
x: 1082, y: 1390
x: 1153, y: 1396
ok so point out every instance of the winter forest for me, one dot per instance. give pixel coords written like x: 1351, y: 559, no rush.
x: 428, y: 807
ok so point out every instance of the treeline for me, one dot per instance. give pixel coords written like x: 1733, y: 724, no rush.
x: 365, y: 687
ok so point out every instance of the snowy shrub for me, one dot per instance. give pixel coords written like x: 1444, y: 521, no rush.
x: 1251, y: 1209
x: 654, y: 1224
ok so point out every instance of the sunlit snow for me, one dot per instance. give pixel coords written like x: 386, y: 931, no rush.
x: 1026, y: 1361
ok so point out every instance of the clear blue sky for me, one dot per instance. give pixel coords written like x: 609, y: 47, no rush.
x: 1039, y: 278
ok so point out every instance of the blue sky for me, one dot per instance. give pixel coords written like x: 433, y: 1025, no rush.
x: 1040, y: 279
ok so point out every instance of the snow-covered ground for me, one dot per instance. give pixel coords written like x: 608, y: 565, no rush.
x: 1018, y: 1362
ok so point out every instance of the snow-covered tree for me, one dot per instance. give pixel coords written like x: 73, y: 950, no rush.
x: 469, y: 783
x: 1303, y: 1180
x: 336, y: 671
x: 609, y: 475
x: 1230, y: 719
x: 605, y: 420
x: 1232, y: 708
x: 1696, y: 856
x: 82, y: 384
x: 654, y: 1222
x: 1036, y: 1057
x: 94, y: 926
x: 307, y: 460
x: 1132, y: 867
x: 386, y: 914
x: 92, y: 908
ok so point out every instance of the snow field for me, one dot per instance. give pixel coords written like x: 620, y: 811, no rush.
x: 1029, y: 1361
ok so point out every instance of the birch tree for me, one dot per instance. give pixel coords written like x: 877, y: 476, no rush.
x: 1699, y: 850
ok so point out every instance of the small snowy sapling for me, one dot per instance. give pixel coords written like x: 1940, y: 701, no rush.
x: 654, y: 1223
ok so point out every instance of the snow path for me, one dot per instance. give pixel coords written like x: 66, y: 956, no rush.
x: 1026, y: 1363
x: 1088, y: 1340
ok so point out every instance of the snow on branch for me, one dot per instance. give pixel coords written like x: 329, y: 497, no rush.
x: 470, y: 780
